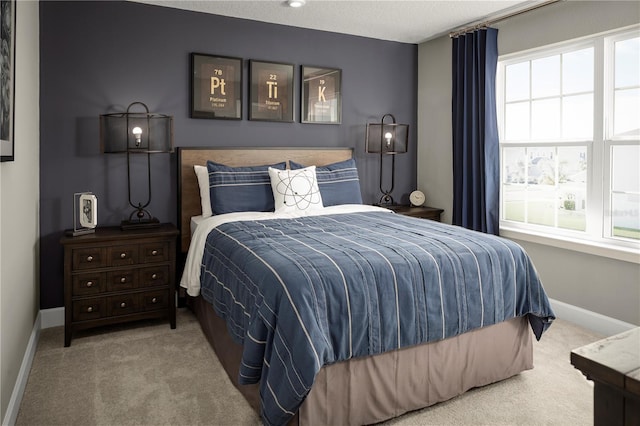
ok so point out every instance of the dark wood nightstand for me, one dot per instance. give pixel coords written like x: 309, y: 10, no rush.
x: 420, y: 211
x: 115, y: 276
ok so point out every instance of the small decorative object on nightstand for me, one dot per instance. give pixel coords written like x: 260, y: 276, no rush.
x: 423, y: 212
x: 115, y: 276
x: 417, y: 198
x: 85, y: 214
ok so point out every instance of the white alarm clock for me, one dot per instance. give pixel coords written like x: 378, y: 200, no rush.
x: 417, y: 198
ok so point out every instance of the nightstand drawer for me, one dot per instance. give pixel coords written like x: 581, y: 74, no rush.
x: 422, y: 212
x: 89, y: 258
x: 123, y: 255
x: 152, y: 300
x: 154, y: 252
x: 124, y: 279
x: 425, y: 214
x: 88, y: 309
x: 89, y: 283
x: 154, y: 276
x: 123, y: 305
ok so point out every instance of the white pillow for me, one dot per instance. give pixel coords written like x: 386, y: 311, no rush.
x: 295, y: 190
x: 203, y: 182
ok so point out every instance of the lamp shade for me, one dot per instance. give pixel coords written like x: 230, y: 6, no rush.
x: 387, y: 138
x: 136, y: 131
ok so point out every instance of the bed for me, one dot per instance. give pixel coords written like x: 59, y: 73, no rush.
x: 317, y: 343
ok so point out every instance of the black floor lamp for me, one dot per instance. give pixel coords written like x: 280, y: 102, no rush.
x: 137, y: 133
x: 387, y: 139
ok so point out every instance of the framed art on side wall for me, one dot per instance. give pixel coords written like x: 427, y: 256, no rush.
x: 216, y: 87
x: 321, y: 95
x: 7, y: 78
x: 271, y: 91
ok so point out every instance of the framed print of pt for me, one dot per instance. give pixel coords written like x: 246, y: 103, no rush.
x: 7, y: 78
x: 271, y: 91
x: 321, y: 95
x: 216, y: 87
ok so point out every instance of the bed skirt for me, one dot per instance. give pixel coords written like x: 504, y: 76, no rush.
x: 373, y: 389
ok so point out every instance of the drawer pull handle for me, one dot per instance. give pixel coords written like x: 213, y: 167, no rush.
x: 154, y: 276
x: 123, y: 305
x: 154, y: 252
x: 154, y: 300
x: 89, y: 258
x: 123, y: 255
x: 89, y: 283
x: 90, y: 309
x: 123, y: 280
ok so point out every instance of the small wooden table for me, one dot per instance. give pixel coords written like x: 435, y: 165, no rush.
x: 614, y: 366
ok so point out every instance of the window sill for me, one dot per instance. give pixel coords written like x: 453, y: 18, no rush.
x: 589, y: 247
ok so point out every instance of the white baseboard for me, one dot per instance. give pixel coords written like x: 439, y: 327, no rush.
x: 46, y: 318
x: 53, y: 317
x: 593, y: 321
x: 23, y: 375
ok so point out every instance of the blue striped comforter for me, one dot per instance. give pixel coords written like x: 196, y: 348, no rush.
x: 301, y: 293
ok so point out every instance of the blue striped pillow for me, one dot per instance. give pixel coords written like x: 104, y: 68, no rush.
x: 241, y: 189
x: 338, y: 182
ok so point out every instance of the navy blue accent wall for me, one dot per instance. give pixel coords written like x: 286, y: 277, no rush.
x: 98, y: 57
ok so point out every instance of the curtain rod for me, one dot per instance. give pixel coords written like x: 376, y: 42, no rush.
x: 489, y: 22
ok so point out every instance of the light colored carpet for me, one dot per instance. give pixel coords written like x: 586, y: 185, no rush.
x: 148, y: 374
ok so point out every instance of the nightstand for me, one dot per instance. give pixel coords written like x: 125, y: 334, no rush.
x: 115, y: 276
x: 420, y: 211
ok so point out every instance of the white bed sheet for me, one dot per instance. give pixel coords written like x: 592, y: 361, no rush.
x: 200, y: 228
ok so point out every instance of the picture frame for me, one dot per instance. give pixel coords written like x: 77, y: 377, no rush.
x: 321, y: 95
x: 216, y: 87
x: 271, y: 91
x: 7, y: 79
x: 85, y: 214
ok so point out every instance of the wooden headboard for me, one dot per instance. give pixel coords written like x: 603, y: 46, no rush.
x: 189, y: 192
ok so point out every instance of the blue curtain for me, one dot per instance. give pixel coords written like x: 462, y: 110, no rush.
x: 476, y: 154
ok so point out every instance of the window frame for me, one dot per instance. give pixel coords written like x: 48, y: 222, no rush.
x: 598, y: 236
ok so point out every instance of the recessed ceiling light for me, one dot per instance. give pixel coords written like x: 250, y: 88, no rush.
x: 296, y: 3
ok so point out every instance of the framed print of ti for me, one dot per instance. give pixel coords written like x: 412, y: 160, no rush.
x: 271, y: 91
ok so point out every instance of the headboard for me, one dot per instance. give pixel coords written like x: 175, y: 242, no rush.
x: 189, y: 192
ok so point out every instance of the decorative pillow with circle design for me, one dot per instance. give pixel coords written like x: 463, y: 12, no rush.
x: 295, y: 190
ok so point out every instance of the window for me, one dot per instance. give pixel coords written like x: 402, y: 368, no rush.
x: 569, y: 119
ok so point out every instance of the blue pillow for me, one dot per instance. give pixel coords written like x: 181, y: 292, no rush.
x: 241, y: 189
x: 338, y: 182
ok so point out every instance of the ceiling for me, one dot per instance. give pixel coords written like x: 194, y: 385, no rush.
x: 408, y: 21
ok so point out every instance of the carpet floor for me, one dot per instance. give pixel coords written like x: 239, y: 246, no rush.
x: 148, y: 374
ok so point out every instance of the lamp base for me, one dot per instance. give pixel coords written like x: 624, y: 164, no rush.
x: 386, y: 200
x: 127, y: 225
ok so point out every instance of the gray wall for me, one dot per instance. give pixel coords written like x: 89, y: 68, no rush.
x: 19, y: 214
x: 600, y: 284
x: 97, y: 57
